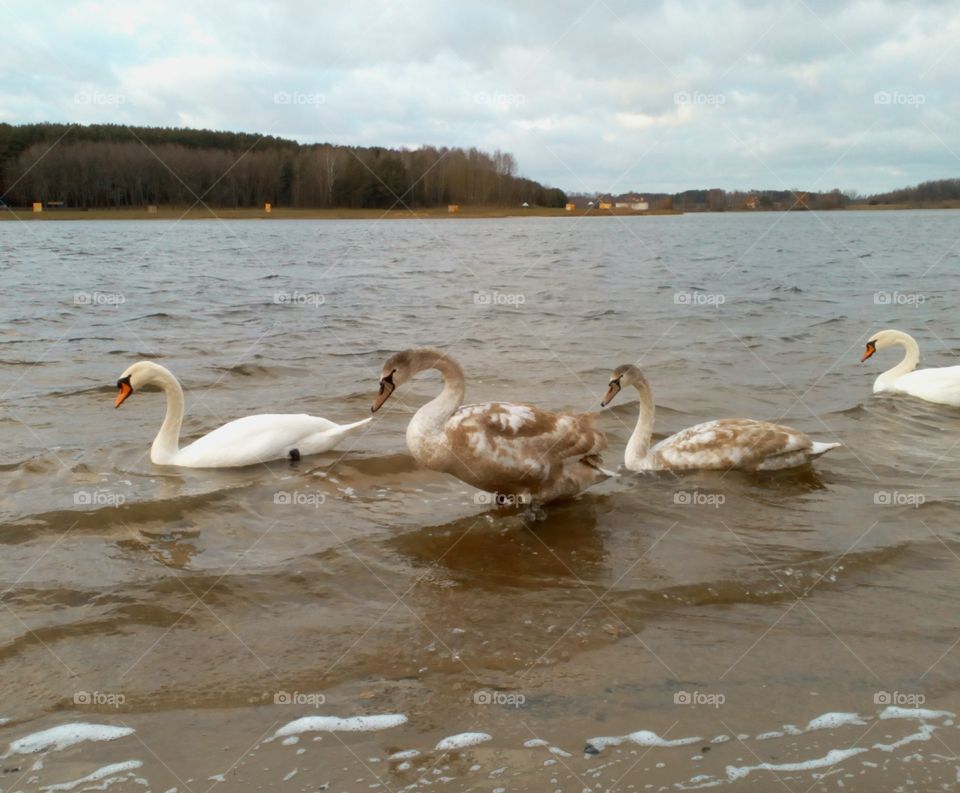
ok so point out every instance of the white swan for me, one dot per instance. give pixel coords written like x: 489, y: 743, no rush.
x: 519, y: 452
x: 746, y: 444
x: 940, y: 385
x: 246, y: 441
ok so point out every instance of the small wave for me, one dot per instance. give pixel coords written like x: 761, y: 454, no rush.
x: 245, y: 370
x: 144, y: 513
x: 153, y: 315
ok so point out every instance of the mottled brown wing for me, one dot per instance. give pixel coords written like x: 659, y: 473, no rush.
x: 728, y: 443
x: 523, y: 440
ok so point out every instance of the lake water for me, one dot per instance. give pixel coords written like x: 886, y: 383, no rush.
x: 715, y: 618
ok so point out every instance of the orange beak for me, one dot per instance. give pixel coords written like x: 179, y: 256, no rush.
x: 871, y: 349
x: 386, y: 388
x: 611, y: 393
x: 125, y: 391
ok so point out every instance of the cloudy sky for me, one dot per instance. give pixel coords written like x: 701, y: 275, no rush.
x: 601, y: 95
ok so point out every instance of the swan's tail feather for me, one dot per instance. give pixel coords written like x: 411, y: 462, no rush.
x: 326, y: 440
x: 817, y: 448
x: 594, y: 461
x: 345, y: 428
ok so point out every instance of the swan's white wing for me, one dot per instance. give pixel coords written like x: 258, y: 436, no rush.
x: 728, y: 443
x: 252, y: 439
x: 940, y: 385
x: 500, y: 445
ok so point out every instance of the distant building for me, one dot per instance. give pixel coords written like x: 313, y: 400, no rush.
x: 750, y: 202
x: 634, y: 202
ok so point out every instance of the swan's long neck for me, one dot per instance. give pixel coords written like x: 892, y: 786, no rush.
x: 432, y: 416
x: 167, y: 443
x: 910, y: 360
x: 639, y: 443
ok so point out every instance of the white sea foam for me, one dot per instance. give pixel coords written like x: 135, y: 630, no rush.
x: 921, y: 714
x: 699, y: 782
x: 826, y: 721
x: 112, y: 770
x: 831, y: 721
x: 923, y: 735
x: 462, y: 740
x: 766, y: 736
x: 832, y: 757
x: 67, y: 735
x: 641, y: 738
x: 336, y: 724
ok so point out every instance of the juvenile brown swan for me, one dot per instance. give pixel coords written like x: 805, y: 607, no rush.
x: 510, y: 449
x: 746, y: 444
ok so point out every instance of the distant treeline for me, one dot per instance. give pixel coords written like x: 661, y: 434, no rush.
x: 936, y: 193
x: 109, y: 165
x: 717, y: 200
x: 926, y: 193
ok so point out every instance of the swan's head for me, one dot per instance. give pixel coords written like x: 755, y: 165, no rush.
x: 396, y: 371
x: 622, y: 377
x: 135, y: 377
x: 404, y: 365
x: 882, y: 340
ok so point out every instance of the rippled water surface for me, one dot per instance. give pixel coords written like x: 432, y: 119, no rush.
x: 712, y: 617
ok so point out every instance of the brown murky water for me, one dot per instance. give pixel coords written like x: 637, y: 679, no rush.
x: 745, y: 632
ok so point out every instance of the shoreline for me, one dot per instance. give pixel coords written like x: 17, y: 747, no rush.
x: 437, y: 213
x: 201, y: 213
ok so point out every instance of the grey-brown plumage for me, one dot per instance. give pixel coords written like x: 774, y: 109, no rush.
x: 501, y: 447
x: 746, y: 444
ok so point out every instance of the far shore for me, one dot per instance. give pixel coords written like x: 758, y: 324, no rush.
x: 435, y: 213
x: 283, y: 213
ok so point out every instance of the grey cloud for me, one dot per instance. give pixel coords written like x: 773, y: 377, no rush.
x: 652, y: 96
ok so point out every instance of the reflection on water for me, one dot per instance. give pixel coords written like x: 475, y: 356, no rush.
x: 199, y: 596
x: 501, y: 549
